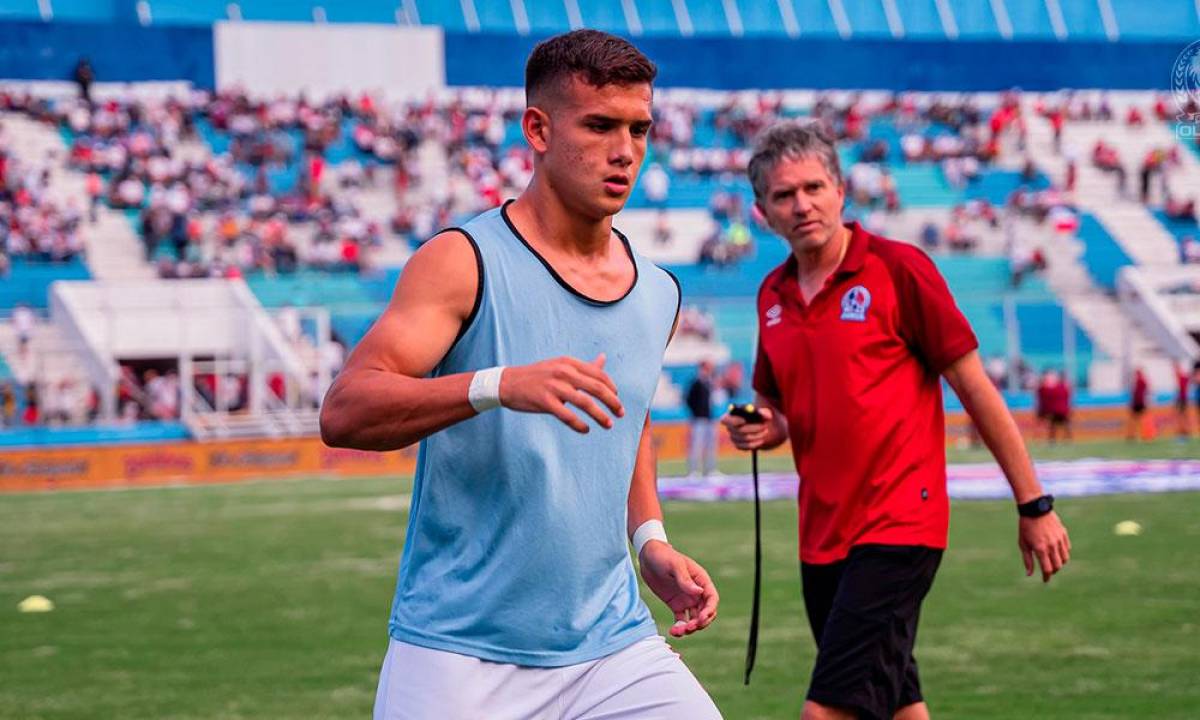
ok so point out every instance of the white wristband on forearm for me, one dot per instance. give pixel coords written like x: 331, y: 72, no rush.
x: 647, y: 531
x: 484, y: 393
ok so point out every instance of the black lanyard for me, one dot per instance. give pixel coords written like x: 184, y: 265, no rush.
x: 752, y: 643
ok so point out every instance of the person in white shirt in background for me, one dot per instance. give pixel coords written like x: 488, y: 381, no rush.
x: 23, y: 321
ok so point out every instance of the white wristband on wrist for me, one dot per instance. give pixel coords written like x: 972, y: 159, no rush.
x: 484, y: 393
x: 647, y: 531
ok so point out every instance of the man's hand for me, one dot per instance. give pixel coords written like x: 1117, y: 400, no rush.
x: 680, y: 583
x: 750, y: 436
x: 547, y: 387
x: 1046, y: 539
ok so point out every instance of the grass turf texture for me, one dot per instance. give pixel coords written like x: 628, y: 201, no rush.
x: 270, y: 600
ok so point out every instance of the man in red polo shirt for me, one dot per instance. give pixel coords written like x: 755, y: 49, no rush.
x: 855, y: 334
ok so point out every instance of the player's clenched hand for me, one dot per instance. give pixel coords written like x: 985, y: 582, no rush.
x: 682, y: 584
x: 548, y: 386
x: 750, y: 436
x: 1045, y: 539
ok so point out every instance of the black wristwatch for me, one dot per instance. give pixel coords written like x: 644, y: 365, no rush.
x: 1037, y: 507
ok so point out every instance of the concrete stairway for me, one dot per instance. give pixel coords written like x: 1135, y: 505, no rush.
x: 1100, y: 316
x: 1137, y: 231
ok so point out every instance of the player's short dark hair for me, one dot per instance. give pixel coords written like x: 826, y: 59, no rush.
x: 596, y: 57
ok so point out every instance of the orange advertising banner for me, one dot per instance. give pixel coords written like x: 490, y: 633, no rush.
x: 190, y: 463
x: 200, y: 463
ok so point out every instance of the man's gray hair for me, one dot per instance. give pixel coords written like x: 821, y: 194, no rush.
x: 793, y: 140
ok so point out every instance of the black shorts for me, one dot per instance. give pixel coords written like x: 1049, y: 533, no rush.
x: 863, y: 612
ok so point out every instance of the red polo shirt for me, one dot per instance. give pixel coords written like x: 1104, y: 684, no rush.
x: 857, y: 373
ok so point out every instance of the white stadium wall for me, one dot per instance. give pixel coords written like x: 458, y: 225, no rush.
x: 268, y: 59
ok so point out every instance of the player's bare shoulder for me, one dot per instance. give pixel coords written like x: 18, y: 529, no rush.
x: 446, y: 270
x: 435, y: 296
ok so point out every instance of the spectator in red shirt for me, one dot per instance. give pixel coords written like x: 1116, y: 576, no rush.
x: 1196, y: 384
x: 32, y: 414
x: 1137, y: 405
x: 855, y: 334
x: 1182, y: 380
x: 1054, y: 405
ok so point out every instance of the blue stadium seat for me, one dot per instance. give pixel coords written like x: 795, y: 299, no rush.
x: 708, y: 17
x: 343, y: 291
x: 604, y: 15
x: 1157, y: 19
x: 761, y: 18
x: 1178, y: 228
x: 379, y: 286
x: 278, y: 10
x: 996, y: 185
x: 921, y: 19
x: 84, y: 10
x: 496, y: 17
x: 658, y: 17
x: 1030, y: 19
x: 814, y: 18
x: 1040, y: 335
x: 19, y: 10
x: 1041, y: 326
x: 1192, y: 145
x: 924, y: 185
x: 188, y: 12
x: 1083, y: 21
x: 867, y: 18
x: 976, y: 21
x: 979, y: 276
x: 140, y: 432
x: 360, y: 11
x: 737, y: 324
x: 351, y: 326
x: 1102, y: 256
x: 547, y: 16
x: 449, y: 15
x: 28, y: 283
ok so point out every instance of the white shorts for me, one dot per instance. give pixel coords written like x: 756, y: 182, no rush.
x: 645, y: 681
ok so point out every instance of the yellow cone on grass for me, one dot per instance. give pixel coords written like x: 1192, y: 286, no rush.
x: 1127, y: 527
x: 35, y: 604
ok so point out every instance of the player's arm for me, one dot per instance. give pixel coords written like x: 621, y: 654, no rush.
x: 383, y: 399
x: 643, y: 502
x: 680, y: 582
x: 1043, y: 537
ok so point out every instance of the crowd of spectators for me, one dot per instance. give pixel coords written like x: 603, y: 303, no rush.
x: 33, y: 225
x: 202, y: 214
x: 64, y: 403
x: 222, y: 184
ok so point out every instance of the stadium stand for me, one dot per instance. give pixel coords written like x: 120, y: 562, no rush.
x: 921, y: 19
x: 27, y: 282
x: 318, y: 202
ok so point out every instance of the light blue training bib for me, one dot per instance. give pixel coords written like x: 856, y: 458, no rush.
x: 516, y: 546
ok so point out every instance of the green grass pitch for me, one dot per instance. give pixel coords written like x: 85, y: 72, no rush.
x: 270, y: 600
